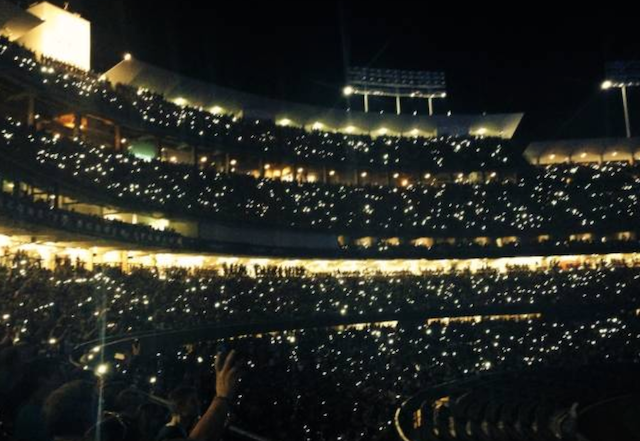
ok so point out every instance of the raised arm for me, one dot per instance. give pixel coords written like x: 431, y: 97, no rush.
x: 211, y: 425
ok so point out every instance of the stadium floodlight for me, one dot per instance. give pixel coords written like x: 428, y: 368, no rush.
x: 395, y: 83
x: 621, y: 75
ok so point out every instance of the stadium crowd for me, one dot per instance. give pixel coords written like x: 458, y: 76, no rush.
x: 67, y: 304
x: 154, y: 113
x: 340, y: 383
x: 317, y: 384
x: 557, y: 199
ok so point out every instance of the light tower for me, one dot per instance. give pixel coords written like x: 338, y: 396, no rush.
x: 395, y: 83
x: 622, y: 75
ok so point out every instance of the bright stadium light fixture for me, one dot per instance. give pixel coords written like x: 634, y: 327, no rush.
x: 347, y: 91
x: 102, y: 369
x: 127, y: 57
x: 606, y: 85
x: 317, y: 125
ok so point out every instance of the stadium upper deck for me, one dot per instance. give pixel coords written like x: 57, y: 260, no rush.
x: 180, y: 162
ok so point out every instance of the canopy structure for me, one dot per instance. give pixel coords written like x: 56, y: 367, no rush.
x: 584, y: 151
x: 15, y: 22
x: 187, y: 91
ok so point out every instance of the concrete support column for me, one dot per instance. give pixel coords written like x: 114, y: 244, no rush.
x: 195, y: 157
x: 77, y: 122
x: 117, y: 140
x: 124, y: 261
x: 31, y: 110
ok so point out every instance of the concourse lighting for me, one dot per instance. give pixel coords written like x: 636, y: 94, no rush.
x: 127, y: 57
x: 180, y: 101
x: 606, y: 85
x: 348, y: 91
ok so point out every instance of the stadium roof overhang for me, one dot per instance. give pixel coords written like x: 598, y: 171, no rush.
x: 15, y: 22
x: 186, y: 91
x: 584, y: 151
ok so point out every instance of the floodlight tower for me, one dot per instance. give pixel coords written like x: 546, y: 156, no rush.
x: 395, y: 83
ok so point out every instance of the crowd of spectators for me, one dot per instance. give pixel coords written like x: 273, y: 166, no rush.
x: 65, y: 304
x: 309, y: 384
x: 316, y: 384
x: 306, y: 384
x: 558, y: 199
x: 153, y: 112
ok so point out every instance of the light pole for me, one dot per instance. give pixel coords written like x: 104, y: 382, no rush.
x: 608, y: 84
x: 625, y: 105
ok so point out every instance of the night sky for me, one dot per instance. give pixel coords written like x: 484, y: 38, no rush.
x: 549, y: 69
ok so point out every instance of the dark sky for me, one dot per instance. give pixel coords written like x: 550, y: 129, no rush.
x: 549, y: 68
